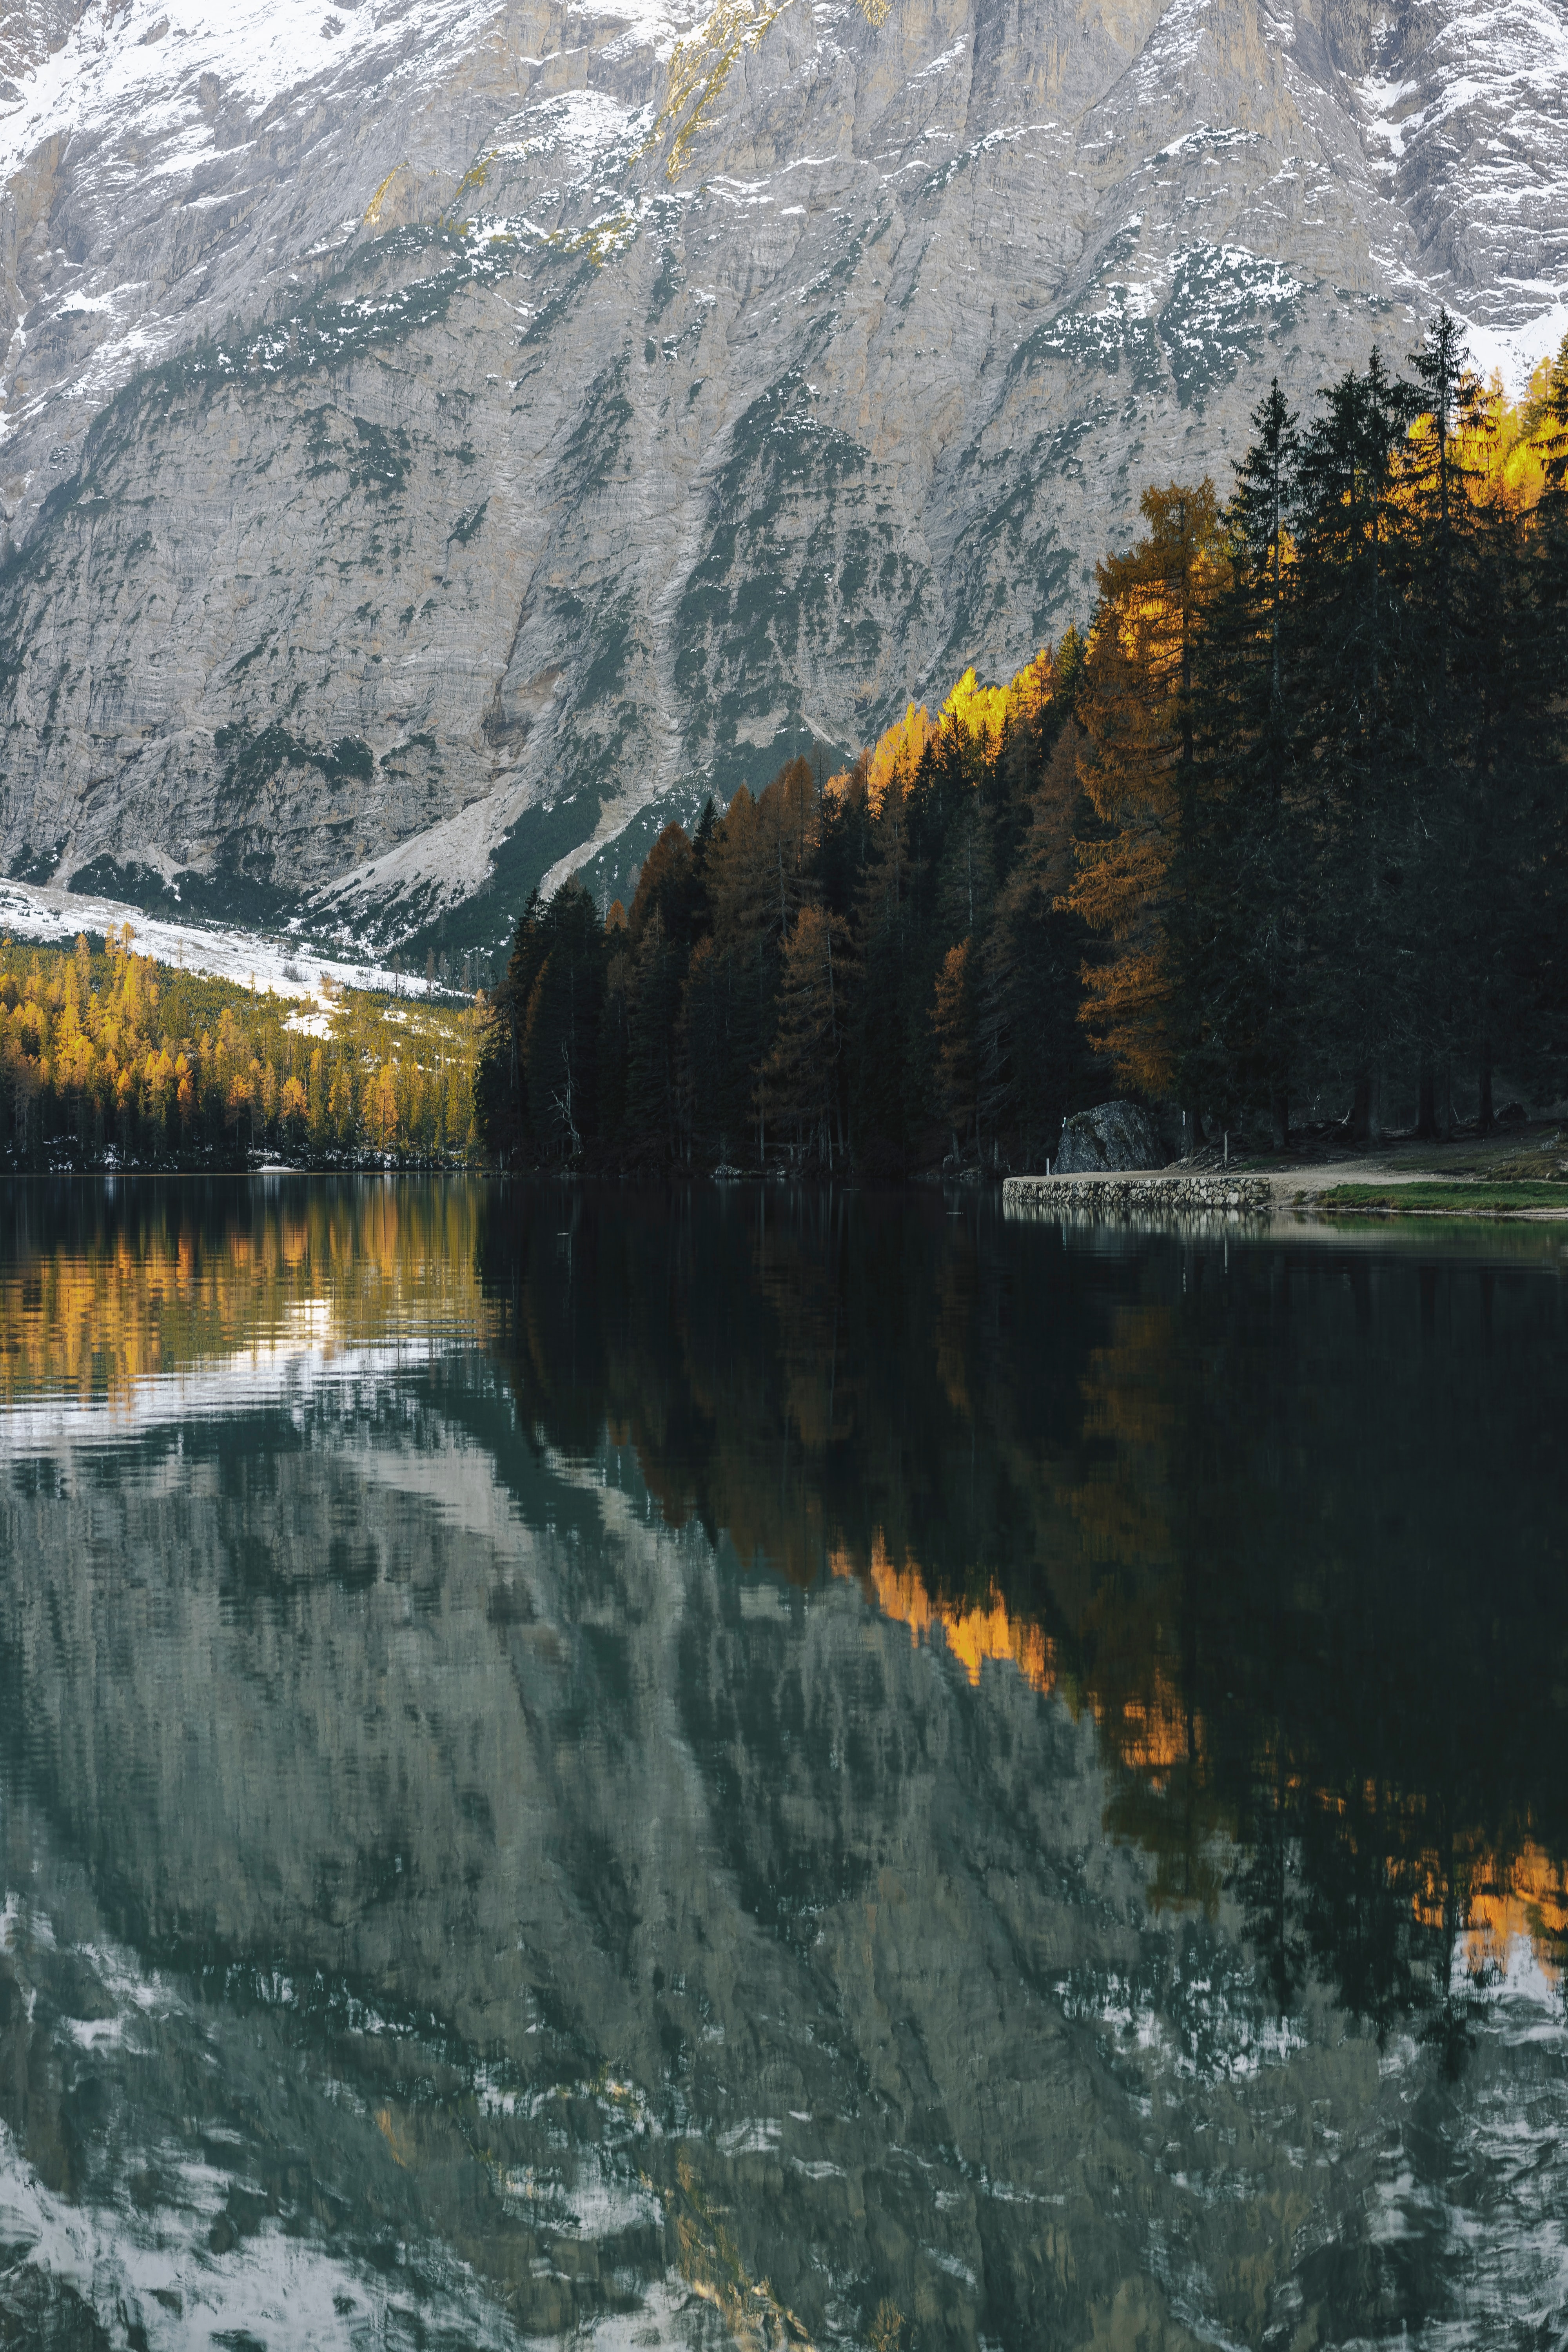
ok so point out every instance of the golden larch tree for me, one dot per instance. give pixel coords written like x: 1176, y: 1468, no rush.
x: 1139, y: 767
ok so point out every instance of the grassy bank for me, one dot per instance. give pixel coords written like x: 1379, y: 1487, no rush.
x: 1449, y: 1197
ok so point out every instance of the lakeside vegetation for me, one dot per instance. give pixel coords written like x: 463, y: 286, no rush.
x: 1453, y: 1196
x: 110, y: 1059
x: 1282, y: 836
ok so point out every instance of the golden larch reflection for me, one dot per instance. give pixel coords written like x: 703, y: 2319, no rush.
x: 172, y: 1287
x: 1154, y: 1734
x: 1154, y: 1739
x: 1151, y: 1733
x: 974, y: 1632
x: 1503, y: 1900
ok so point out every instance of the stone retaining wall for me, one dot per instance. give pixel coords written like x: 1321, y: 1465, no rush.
x: 1114, y: 1199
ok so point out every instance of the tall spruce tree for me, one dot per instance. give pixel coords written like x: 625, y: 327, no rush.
x: 1248, y: 850
x: 884, y: 1058
x: 802, y: 1076
x: 1543, y: 904
x: 501, y: 1086
x: 1356, y: 673
x: 1455, y: 826
x: 560, y: 1028
x: 1035, y: 1061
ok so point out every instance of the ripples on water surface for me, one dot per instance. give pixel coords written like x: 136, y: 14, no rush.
x: 774, y: 1770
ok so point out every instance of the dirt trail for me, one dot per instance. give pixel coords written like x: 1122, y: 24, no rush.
x: 1533, y: 1155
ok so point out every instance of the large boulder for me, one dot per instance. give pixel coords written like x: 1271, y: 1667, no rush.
x: 1115, y: 1135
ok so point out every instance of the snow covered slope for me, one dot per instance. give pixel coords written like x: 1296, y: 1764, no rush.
x: 255, y: 960
x: 442, y: 437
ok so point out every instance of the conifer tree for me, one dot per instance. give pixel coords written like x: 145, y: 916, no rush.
x: 885, y: 1062
x: 800, y: 1078
x: 502, y: 1086
x: 1543, y: 746
x: 1454, y: 822
x: 1248, y: 849
x: 1356, y: 684
x: 563, y: 1027
x: 844, y: 847
x: 658, y: 968
x: 1140, y: 766
x: 953, y: 1028
x: 1034, y: 1060
x: 668, y: 907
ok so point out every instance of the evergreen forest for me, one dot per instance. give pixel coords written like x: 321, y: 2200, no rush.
x: 1278, y: 841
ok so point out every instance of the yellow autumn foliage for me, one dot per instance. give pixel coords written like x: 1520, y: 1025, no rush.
x: 1502, y: 444
x: 109, y: 1053
x: 897, y: 752
x: 976, y: 710
x: 979, y: 710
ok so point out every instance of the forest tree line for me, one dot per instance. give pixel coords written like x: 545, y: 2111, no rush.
x: 1281, y: 835
x: 104, y: 1053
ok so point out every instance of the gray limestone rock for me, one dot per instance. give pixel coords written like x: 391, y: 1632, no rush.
x: 441, y: 441
x: 1115, y: 1135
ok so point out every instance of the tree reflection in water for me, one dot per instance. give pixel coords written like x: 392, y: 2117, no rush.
x: 1287, y: 1520
x: 758, y: 1766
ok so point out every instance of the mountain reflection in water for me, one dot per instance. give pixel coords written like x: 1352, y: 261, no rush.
x: 769, y: 1768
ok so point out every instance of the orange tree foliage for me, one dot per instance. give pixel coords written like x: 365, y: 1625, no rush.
x: 1139, y: 770
x: 782, y: 987
x: 107, y: 1055
x: 1287, y: 825
x: 1324, y: 757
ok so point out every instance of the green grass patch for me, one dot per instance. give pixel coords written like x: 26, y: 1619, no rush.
x: 1455, y: 1198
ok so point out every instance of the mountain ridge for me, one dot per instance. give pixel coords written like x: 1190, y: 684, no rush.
x: 429, y: 469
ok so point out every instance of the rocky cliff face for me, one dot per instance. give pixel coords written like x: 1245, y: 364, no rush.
x: 442, y: 440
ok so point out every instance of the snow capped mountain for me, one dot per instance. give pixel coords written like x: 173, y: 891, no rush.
x: 442, y: 438
x: 168, y: 165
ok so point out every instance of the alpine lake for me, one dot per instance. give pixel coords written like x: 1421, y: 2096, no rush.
x: 761, y: 1767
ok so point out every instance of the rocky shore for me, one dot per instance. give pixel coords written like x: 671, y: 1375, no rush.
x: 1115, y: 1199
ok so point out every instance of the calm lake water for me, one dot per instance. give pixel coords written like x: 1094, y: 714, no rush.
x: 774, y: 1768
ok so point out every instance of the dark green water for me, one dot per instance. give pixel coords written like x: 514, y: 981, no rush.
x: 776, y: 1770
